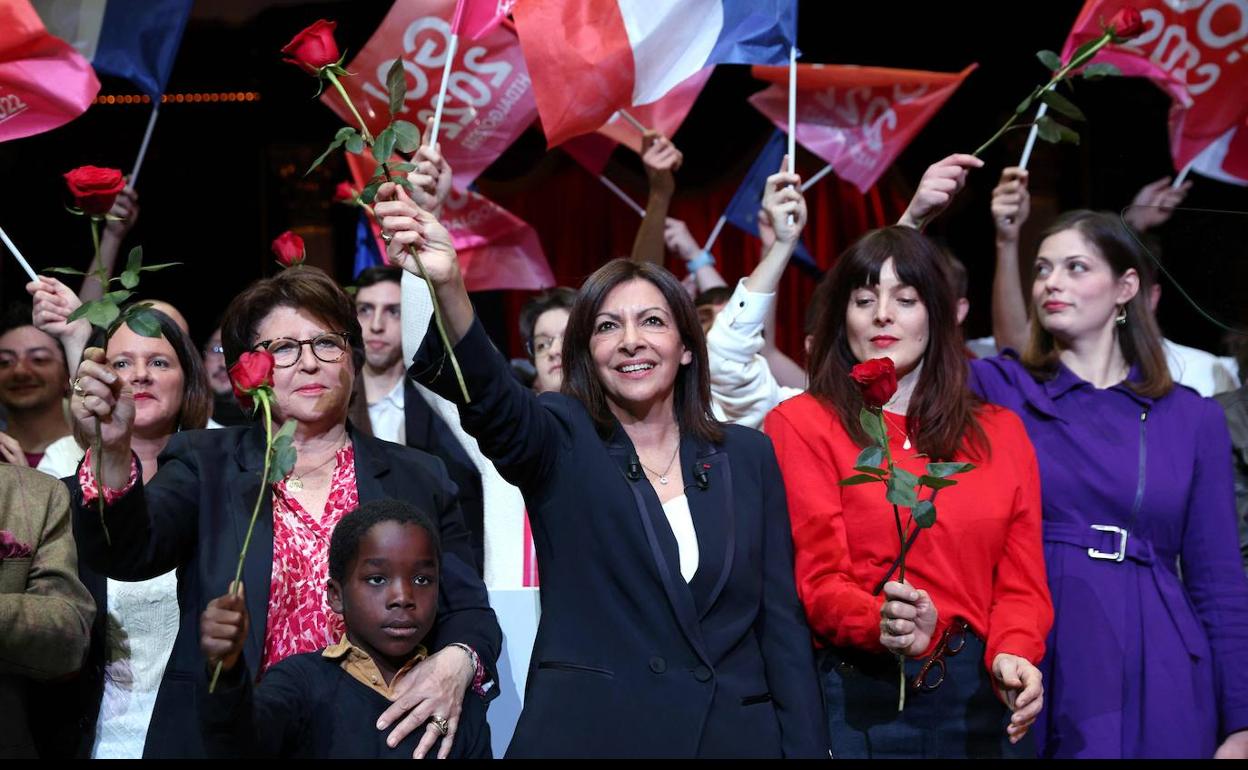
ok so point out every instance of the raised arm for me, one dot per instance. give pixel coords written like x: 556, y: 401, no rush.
x: 121, y: 218
x: 701, y: 264
x: 661, y: 159
x: 1011, y: 205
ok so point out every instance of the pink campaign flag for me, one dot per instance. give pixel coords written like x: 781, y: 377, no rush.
x: 44, y: 82
x: 1197, y: 52
x: 1226, y: 158
x: 858, y: 119
x: 665, y: 115
x: 475, y: 18
x: 489, y: 99
x: 497, y: 249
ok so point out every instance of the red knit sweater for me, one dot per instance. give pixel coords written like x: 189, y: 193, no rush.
x: 982, y: 561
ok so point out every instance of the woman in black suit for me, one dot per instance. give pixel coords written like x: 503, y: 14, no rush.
x: 670, y: 623
x: 194, y: 512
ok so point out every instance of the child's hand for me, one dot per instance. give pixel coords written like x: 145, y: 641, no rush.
x: 222, y: 629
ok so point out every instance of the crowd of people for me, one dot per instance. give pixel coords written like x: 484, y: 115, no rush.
x: 670, y: 479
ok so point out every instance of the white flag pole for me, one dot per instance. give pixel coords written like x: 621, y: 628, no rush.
x: 815, y: 179
x: 632, y: 121
x: 792, y: 113
x: 1182, y: 177
x: 451, y: 48
x: 1031, y: 137
x: 147, y: 137
x: 632, y: 204
x: 715, y: 233
x: 20, y: 259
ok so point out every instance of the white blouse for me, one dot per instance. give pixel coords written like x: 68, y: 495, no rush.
x: 681, y: 521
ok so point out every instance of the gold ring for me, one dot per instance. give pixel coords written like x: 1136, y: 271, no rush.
x: 387, y: 237
x: 77, y: 387
x: 441, y: 724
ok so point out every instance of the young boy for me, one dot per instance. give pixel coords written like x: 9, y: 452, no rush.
x: 383, y: 580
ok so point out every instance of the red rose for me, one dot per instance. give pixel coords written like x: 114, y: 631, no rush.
x: 252, y: 371
x: 878, y: 380
x: 289, y: 249
x: 344, y: 193
x: 314, y: 47
x: 1126, y: 24
x: 94, y: 189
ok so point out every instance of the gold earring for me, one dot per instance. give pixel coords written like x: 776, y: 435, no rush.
x: 1121, y: 318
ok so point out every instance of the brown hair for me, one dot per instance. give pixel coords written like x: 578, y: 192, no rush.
x: 301, y: 287
x: 551, y: 299
x: 693, y: 382
x: 943, y: 408
x: 196, y: 393
x: 1139, y: 338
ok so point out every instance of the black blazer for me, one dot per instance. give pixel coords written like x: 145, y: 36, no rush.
x: 427, y: 431
x: 630, y: 660
x: 193, y: 517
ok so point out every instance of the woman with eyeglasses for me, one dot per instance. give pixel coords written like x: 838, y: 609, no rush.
x: 970, y: 620
x: 193, y: 514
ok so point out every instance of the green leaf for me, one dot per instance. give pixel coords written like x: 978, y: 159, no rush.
x: 100, y: 313
x: 900, y: 493
x: 396, y: 86
x: 287, y: 431
x: 905, y: 477
x: 873, y: 425
x: 402, y: 168
x: 406, y: 185
x: 332, y: 146
x: 117, y: 297
x: 871, y: 456
x: 924, y: 513
x: 355, y: 144
x: 1067, y: 134
x: 1023, y: 106
x: 861, y: 478
x: 1098, y: 70
x: 1083, y: 49
x: 936, y: 482
x: 134, y: 261
x: 129, y: 278
x: 142, y: 321
x: 63, y: 270
x: 873, y: 470
x: 943, y: 470
x: 1061, y: 104
x: 369, y: 193
x: 159, y: 266
x: 1046, y: 129
x: 407, y: 136
x: 383, y: 145
x: 1051, y: 61
x: 79, y: 312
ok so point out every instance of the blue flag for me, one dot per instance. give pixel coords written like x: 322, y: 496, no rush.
x: 366, y: 254
x: 756, y: 32
x: 743, y: 209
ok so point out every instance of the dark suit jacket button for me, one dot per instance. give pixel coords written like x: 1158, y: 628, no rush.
x: 658, y: 665
x: 702, y: 674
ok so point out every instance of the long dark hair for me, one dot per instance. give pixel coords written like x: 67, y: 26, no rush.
x: 693, y: 382
x: 943, y: 408
x: 1139, y: 338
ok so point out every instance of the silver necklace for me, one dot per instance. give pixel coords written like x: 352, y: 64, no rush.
x: 663, y: 476
x: 906, y: 443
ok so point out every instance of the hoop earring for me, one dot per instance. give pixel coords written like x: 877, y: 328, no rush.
x: 1121, y: 318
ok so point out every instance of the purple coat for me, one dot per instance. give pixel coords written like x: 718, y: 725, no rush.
x: 1142, y: 663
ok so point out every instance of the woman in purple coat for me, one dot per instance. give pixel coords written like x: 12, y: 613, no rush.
x: 1148, y: 656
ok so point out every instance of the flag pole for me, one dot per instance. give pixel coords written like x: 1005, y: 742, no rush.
x: 147, y: 137
x: 1031, y: 136
x: 632, y: 204
x: 632, y: 121
x: 1182, y: 177
x: 792, y: 112
x: 715, y: 233
x: 20, y: 259
x: 815, y: 179
x: 451, y: 48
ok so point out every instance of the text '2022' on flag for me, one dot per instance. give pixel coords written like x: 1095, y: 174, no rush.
x: 591, y: 58
x: 44, y: 82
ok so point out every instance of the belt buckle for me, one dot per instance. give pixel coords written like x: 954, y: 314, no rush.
x: 1118, y: 555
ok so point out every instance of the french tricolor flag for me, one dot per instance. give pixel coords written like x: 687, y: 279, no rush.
x: 590, y: 58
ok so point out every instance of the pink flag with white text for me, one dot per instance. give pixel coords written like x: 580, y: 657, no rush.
x: 44, y: 82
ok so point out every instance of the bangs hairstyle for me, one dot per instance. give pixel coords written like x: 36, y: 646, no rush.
x: 943, y: 408
x: 196, y: 393
x: 580, y: 376
x: 1139, y: 338
x: 301, y: 287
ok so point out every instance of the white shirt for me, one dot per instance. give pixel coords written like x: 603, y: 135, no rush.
x: 61, y: 458
x: 681, y: 521
x: 387, y: 416
x: 743, y: 389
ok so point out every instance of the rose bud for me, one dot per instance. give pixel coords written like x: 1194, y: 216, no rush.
x: 1126, y: 23
x: 314, y: 47
x: 344, y: 193
x: 877, y: 379
x: 95, y: 189
x: 289, y: 249
x: 252, y: 371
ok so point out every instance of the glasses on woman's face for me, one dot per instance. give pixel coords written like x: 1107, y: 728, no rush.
x: 542, y: 344
x: 329, y: 347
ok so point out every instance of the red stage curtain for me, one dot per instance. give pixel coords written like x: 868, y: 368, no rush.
x: 582, y: 224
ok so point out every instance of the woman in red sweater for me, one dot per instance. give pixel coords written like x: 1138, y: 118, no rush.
x: 972, y: 616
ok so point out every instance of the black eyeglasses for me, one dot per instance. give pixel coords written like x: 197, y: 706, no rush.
x: 934, y: 671
x: 329, y: 347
